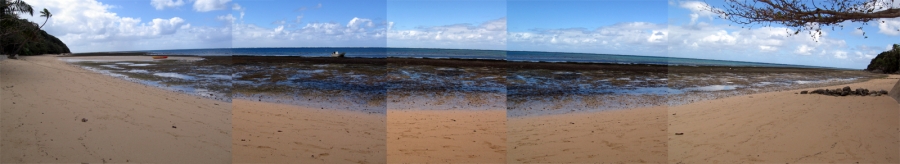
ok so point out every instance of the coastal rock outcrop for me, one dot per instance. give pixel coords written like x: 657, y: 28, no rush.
x: 846, y: 91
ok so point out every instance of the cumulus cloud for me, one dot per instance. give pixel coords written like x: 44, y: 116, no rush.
x: 488, y: 35
x: 162, y: 4
x: 889, y: 26
x: 237, y: 7
x: 88, y: 25
x: 226, y: 18
x: 698, y: 9
x: 840, y: 54
x: 357, y: 31
x: 631, y: 38
x: 210, y: 5
x: 803, y: 50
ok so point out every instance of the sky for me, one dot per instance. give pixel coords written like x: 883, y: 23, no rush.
x: 461, y: 24
x: 696, y: 33
x: 123, y: 25
x: 675, y: 28
x: 600, y: 26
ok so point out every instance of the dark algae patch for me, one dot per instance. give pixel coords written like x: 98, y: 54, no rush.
x: 326, y: 83
x: 443, y: 84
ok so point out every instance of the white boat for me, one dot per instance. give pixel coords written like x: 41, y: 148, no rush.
x: 337, y: 54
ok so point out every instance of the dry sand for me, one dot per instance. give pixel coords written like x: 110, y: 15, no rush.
x: 446, y: 136
x: 306, y: 135
x: 618, y: 136
x: 783, y: 127
x: 44, y: 101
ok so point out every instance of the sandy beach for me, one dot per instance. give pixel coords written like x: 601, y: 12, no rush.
x: 53, y: 112
x: 784, y: 127
x: 279, y: 133
x: 446, y: 136
x: 618, y: 136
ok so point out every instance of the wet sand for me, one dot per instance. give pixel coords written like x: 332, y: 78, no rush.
x: 129, y: 58
x: 784, y: 127
x: 617, y: 136
x: 53, y: 112
x: 279, y: 133
x: 446, y: 136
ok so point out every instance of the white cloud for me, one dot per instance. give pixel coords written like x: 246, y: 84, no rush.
x: 319, y: 6
x: 237, y: 7
x: 658, y: 36
x: 360, y: 32
x: 227, y: 18
x: 631, y: 38
x: 803, y: 50
x: 210, y: 5
x: 698, y: 9
x: 166, y: 27
x: 357, y: 23
x: 889, y: 26
x: 840, y: 54
x: 488, y: 35
x: 765, y: 48
x: 162, y: 4
x: 88, y: 26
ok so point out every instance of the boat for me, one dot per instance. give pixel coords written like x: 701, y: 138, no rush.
x: 337, y: 54
x: 160, y: 57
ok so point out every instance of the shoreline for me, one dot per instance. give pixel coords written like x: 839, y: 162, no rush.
x: 75, y: 115
x: 115, y: 66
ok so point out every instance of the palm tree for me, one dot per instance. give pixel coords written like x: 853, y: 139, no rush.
x: 15, y: 7
x: 46, y: 14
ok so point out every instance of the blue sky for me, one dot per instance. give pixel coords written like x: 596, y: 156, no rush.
x: 675, y: 28
x: 606, y: 27
x: 460, y: 24
x: 305, y: 23
x: 412, y: 14
x: 528, y: 15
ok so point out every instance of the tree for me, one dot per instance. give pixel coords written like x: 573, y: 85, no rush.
x: 46, y: 14
x: 16, y: 31
x: 887, y: 61
x: 808, y: 15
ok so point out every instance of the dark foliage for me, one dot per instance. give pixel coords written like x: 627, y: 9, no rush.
x: 887, y: 61
x: 35, y: 40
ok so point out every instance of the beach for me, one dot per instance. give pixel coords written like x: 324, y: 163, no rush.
x: 617, y: 136
x: 446, y: 136
x: 785, y: 127
x: 279, y: 133
x: 53, y: 112
x: 446, y: 111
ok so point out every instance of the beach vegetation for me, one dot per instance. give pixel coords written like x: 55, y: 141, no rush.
x: 887, y: 61
x: 22, y: 37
